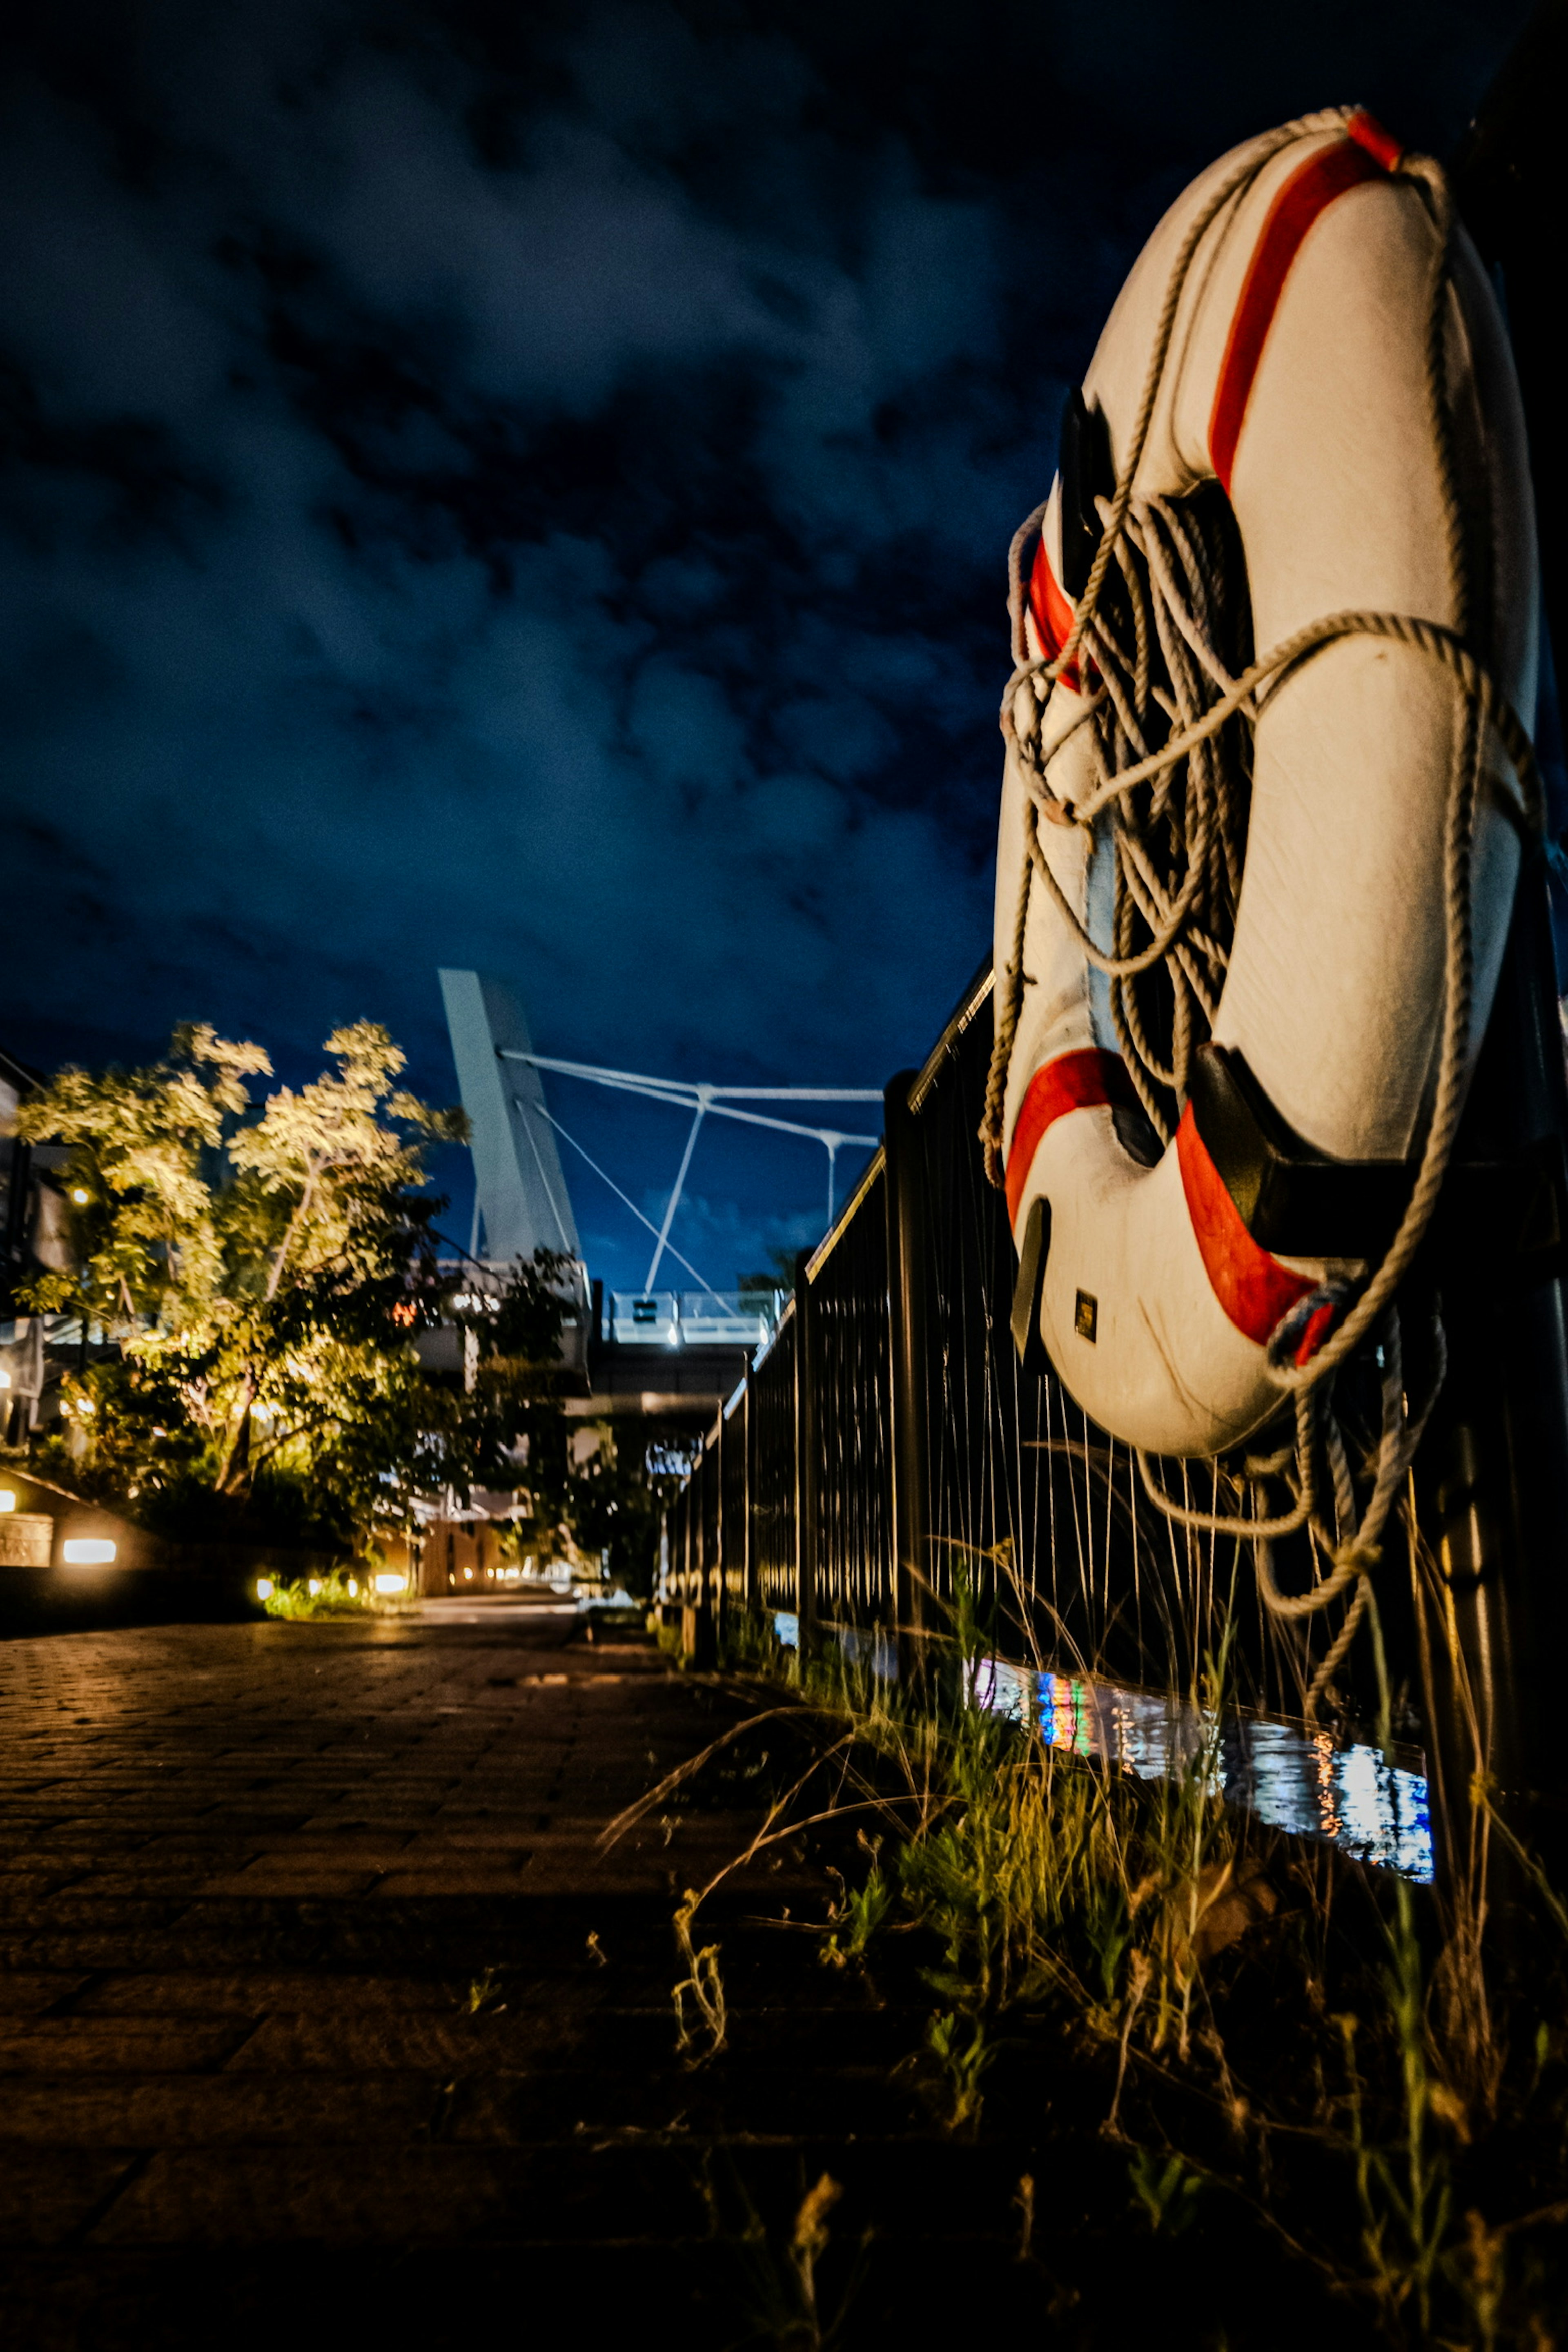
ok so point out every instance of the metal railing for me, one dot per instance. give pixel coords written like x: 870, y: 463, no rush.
x: 887, y: 1445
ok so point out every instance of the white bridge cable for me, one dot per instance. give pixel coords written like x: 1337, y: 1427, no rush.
x: 690, y: 1087
x: 674, y: 1201
x: 679, y: 1094
x: 701, y: 1099
x: 625, y: 1199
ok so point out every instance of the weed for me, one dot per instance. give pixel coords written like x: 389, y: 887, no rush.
x: 785, y: 2304
x: 855, y: 1919
x: 964, y: 2064
x: 809, y: 2244
x: 485, y: 1994
x: 1403, y: 2203
x: 1349, y: 2060
x: 1479, y: 2268
x: 703, y: 1986
x: 1167, y: 2191
x: 1023, y: 2199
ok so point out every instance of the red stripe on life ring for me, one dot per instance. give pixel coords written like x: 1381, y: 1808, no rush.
x: 1053, y: 616
x: 1365, y: 154
x: 1380, y: 144
x: 1082, y: 1081
x: 1254, y: 1288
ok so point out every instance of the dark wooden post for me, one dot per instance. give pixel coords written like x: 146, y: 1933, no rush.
x: 904, y: 1194
x: 805, y: 1459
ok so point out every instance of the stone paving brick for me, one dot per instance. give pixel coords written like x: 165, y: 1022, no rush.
x: 56, y: 2194
x: 501, y: 1878
x: 320, y: 1993
x: 25, y: 1996
x: 242, y: 2197
x: 340, y: 2041
x: 203, y: 2111
x: 253, y: 1995
x: 49, y: 2045
x: 289, y: 1876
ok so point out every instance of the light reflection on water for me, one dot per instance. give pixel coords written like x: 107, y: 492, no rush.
x: 876, y: 1646
x: 1294, y: 1779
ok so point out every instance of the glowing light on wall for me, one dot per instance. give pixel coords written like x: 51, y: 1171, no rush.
x: 390, y: 1582
x: 265, y: 1588
x: 7, y: 1499
x: 86, y: 1551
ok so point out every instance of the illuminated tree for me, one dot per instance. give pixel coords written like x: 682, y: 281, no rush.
x: 262, y: 1272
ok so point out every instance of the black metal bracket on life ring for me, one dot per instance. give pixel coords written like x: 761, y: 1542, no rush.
x: 1290, y: 1196
x: 1024, y: 1320
x: 1507, y: 1219
x: 1510, y: 1216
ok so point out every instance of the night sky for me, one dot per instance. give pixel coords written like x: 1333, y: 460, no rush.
x: 529, y: 488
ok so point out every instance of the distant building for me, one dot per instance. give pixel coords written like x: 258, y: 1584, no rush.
x: 34, y: 1238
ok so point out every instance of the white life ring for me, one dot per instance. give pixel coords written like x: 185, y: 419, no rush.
x: 1298, y: 379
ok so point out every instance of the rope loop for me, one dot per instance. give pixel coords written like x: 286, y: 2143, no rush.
x: 1294, y: 1328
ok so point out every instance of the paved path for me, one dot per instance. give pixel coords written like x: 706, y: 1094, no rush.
x: 325, y: 2018
x: 255, y: 1876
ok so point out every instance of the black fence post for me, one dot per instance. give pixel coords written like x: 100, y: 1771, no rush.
x: 906, y: 1364
x: 721, y: 1448
x: 806, y: 1461
x: 1491, y: 1483
x: 749, y: 1546
x: 697, y: 1613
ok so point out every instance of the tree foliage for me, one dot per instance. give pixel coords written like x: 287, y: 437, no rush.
x: 260, y: 1270
x: 257, y: 1275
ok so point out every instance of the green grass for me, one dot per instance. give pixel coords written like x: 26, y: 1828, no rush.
x: 1354, y: 2066
x: 341, y: 1592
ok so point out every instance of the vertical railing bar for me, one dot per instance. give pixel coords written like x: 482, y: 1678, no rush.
x: 805, y: 1478
x: 749, y: 1480
x: 906, y: 1362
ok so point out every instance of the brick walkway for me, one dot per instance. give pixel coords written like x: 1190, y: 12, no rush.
x: 252, y: 1873
x: 255, y: 1877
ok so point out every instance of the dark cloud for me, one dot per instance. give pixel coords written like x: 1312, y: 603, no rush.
x: 528, y: 488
